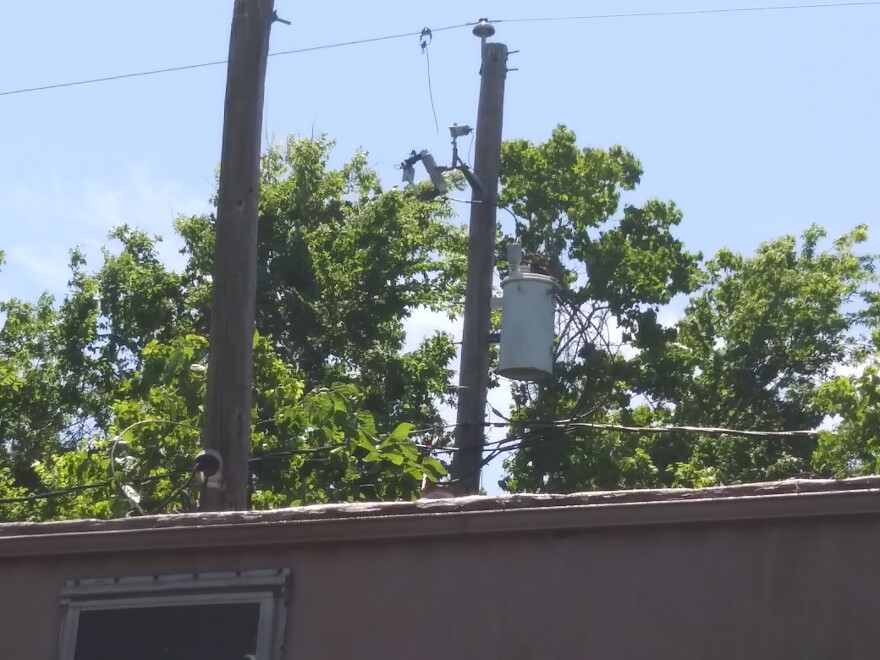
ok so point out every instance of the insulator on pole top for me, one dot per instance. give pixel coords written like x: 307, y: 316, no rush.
x: 484, y: 29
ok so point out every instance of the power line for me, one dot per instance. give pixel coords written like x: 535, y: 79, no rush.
x: 56, y: 493
x: 370, y: 40
x: 405, y: 35
x: 534, y: 436
x: 156, y: 477
x: 659, y: 430
x: 123, y: 76
x: 160, y: 508
x: 84, y: 487
x: 110, y: 483
x: 203, y: 65
x: 688, y: 12
x: 510, y: 443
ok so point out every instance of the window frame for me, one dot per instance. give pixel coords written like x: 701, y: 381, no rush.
x: 267, y: 588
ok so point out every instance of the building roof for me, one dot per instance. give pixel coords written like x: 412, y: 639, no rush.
x: 524, y: 513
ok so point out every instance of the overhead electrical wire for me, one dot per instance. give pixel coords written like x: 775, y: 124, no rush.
x: 213, y: 63
x: 83, y: 487
x: 689, y: 12
x: 122, y: 76
x: 114, y: 481
x: 492, y: 449
x: 111, y: 483
x: 370, y: 40
x: 409, y: 35
x: 659, y: 430
x: 160, y: 508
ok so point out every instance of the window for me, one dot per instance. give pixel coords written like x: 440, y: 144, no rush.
x: 222, y: 616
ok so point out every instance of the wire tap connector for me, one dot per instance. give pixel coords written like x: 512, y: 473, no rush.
x: 425, y: 38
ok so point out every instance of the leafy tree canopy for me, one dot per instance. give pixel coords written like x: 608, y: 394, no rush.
x: 757, y: 347
x: 105, y: 386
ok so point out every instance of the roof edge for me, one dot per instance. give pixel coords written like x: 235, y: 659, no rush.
x: 515, y: 514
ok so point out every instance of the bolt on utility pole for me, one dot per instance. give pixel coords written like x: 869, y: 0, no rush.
x: 474, y: 370
x: 227, y: 421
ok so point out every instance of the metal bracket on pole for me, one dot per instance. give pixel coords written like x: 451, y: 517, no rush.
x: 473, y: 180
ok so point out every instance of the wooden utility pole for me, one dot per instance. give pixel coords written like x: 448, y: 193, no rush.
x: 474, y: 370
x: 230, y: 362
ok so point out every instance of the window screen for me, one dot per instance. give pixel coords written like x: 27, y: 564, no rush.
x: 221, y: 616
x: 219, y: 632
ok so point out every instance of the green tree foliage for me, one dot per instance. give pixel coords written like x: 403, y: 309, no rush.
x: 756, y: 349
x: 755, y: 345
x: 853, y: 447
x: 618, y: 267
x: 105, y: 387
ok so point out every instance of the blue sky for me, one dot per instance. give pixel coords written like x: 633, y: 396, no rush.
x: 757, y: 124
